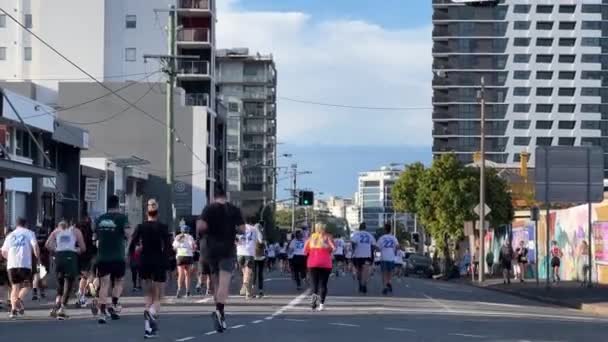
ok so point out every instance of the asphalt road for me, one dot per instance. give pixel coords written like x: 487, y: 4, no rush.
x: 419, y: 310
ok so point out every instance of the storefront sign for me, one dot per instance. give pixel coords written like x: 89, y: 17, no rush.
x: 91, y: 189
x: 600, y: 239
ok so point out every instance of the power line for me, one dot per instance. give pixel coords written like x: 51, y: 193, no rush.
x: 152, y: 117
x: 316, y: 103
x: 73, y: 79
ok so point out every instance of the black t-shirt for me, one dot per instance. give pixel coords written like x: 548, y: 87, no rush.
x: 222, y: 222
x: 155, y: 241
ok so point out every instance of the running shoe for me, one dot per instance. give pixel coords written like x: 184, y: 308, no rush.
x: 94, y: 308
x: 261, y: 294
x: 151, y: 320
x: 53, y: 313
x: 13, y: 314
x: 117, y: 308
x: 113, y: 314
x: 61, y: 315
x: 218, y: 322
x: 321, y: 307
x: 314, y: 301
x: 21, y: 307
x: 150, y: 334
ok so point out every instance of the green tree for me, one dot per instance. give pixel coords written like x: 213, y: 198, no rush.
x: 405, y: 190
x: 283, y: 217
x: 498, y: 196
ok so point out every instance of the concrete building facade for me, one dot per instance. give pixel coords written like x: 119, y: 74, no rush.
x: 544, y: 68
x: 247, y: 85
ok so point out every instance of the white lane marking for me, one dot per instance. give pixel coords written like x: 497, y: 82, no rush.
x: 274, y: 279
x: 269, y: 318
x: 444, y: 306
x: 211, y: 333
x: 293, y: 303
x: 295, y: 320
x: 500, y: 304
x: 257, y: 321
x: 467, y: 335
x: 453, y: 289
x: 206, y: 300
x: 237, y: 326
x: 185, y: 339
x: 400, y: 329
x: 345, y: 325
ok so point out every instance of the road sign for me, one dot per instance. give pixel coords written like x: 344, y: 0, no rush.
x: 477, y: 210
x: 565, y: 174
x: 91, y: 189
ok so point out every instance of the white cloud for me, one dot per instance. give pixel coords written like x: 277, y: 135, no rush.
x: 339, y: 61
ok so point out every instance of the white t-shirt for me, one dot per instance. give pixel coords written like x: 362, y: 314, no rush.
x: 283, y: 248
x: 363, y: 244
x: 339, y: 247
x: 19, y: 245
x: 271, y: 251
x: 252, y: 237
x: 184, y: 247
x: 65, y: 240
x: 297, y: 247
x: 399, y: 257
x: 388, y: 245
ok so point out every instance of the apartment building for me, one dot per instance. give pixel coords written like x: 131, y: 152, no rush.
x: 543, y: 63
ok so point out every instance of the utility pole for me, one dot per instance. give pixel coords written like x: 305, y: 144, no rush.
x: 482, y: 182
x: 170, y: 69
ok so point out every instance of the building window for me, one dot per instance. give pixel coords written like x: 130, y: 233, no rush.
x: 544, y: 25
x: 130, y: 54
x: 2, y: 20
x: 27, y: 22
x: 521, y: 124
x: 588, y: 124
x: 563, y: 141
x: 23, y: 141
x: 522, y: 25
x: 233, y: 107
x: 521, y: 91
x: 567, y: 59
x: 250, y: 70
x: 590, y: 108
x: 521, y: 58
x: 544, y: 108
x: 592, y: 25
x: 566, y: 124
x: 590, y: 41
x: 27, y: 54
x: 131, y: 21
x: 566, y: 91
x: 521, y: 74
x: 589, y: 58
x: 566, y: 108
x: 567, y: 41
x: 567, y: 75
x: 544, y: 8
x: 587, y: 8
x: 2, y: 53
x: 521, y: 108
x: 521, y: 41
x: 544, y: 141
x: 544, y: 58
x: 567, y: 8
x: 521, y: 141
x: 544, y: 75
x: 567, y: 25
x: 586, y: 91
x: 544, y: 124
x: 544, y: 91
x: 544, y: 41
x: 521, y: 9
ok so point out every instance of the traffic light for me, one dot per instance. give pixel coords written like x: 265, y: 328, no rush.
x: 306, y: 198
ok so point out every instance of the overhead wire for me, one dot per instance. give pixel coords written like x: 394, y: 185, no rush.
x: 325, y: 104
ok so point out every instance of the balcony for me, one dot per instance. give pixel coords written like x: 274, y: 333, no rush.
x: 197, y: 100
x: 195, y: 8
x: 194, y: 37
x: 193, y: 70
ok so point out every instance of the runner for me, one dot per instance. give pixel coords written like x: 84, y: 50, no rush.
x: 363, y: 245
x: 17, y: 249
x: 348, y: 254
x: 260, y: 261
x: 66, y: 243
x: 111, y: 231
x: 298, y: 261
x: 388, y: 245
x: 41, y: 265
x: 247, y: 250
x: 184, y: 246
x: 339, y: 255
x: 156, y: 248
x: 85, y: 262
x: 271, y: 252
x: 284, y: 262
x: 219, y: 224
x: 4, y: 284
x: 319, y: 249
x: 556, y: 255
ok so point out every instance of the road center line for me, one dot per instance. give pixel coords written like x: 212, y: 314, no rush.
x: 444, y: 306
x: 206, y: 300
x: 185, y: 339
x: 211, y: 333
x: 257, y: 321
x: 400, y: 329
x: 293, y: 303
x: 237, y: 326
x: 295, y: 320
x: 467, y: 335
x: 500, y: 304
x: 345, y: 325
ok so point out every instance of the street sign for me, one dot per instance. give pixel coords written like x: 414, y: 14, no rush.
x: 91, y: 189
x: 477, y: 210
x: 565, y: 174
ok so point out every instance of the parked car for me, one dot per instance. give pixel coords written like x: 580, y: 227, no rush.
x: 418, y: 264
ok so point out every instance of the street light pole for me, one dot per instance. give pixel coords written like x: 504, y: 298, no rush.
x: 294, y: 168
x: 482, y: 180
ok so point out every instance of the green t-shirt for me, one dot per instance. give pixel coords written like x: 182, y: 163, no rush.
x: 110, y: 231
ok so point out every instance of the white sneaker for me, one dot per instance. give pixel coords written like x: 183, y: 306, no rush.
x: 321, y: 307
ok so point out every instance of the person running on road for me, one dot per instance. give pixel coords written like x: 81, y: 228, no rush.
x: 42, y: 264
x: 298, y: 261
x: 319, y: 248
x: 184, y: 246
x: 156, y: 247
x: 363, y: 251
x: 219, y: 223
x: 271, y: 253
x: 388, y: 245
x: 260, y: 261
x: 17, y: 249
x: 246, y: 255
x: 339, y: 255
x: 556, y: 256
x: 505, y: 258
x: 111, y: 231
x: 66, y: 243
x: 85, y: 261
x: 284, y: 263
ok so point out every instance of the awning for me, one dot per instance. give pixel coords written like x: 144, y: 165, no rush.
x: 12, y: 169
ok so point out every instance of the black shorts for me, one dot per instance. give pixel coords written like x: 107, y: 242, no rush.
x: 85, y: 263
x: 282, y: 256
x: 555, y: 262
x: 246, y: 261
x: 359, y: 262
x: 204, y: 267
x: 225, y: 264
x: 3, y: 277
x: 115, y: 269
x: 506, y: 265
x: 340, y: 258
x: 20, y: 276
x: 185, y: 261
x: 153, y: 272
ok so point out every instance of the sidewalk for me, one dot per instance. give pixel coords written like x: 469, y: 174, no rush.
x: 592, y: 300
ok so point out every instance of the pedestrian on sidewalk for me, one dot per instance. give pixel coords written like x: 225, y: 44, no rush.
x: 556, y: 256
x: 583, y: 261
x: 505, y: 259
x: 522, y: 260
x: 490, y: 262
x: 319, y: 249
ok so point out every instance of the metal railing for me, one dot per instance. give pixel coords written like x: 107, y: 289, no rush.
x: 197, y: 99
x: 195, y: 4
x: 193, y: 68
x: 194, y: 35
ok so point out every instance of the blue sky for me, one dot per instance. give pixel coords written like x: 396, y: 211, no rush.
x: 373, y: 53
